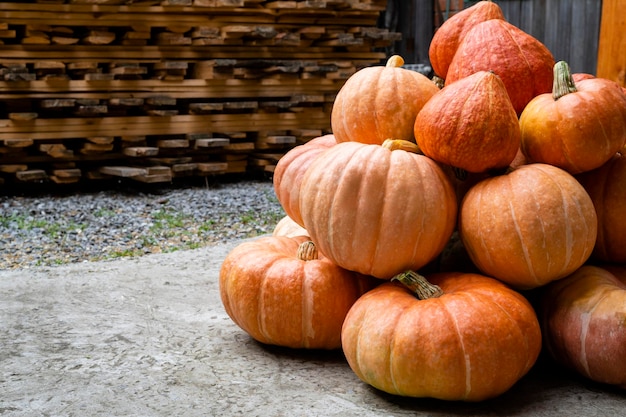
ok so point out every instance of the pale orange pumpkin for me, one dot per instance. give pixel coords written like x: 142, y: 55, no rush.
x: 583, y: 321
x: 528, y: 227
x: 290, y: 169
x: 281, y: 291
x: 376, y: 209
x: 380, y: 102
x: 461, y: 337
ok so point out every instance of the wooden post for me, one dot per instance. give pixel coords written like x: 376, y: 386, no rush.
x: 612, y: 43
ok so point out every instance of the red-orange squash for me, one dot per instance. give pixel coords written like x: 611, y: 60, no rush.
x: 470, y: 339
x: 523, y: 63
x: 577, y: 127
x: 281, y: 291
x: 607, y: 188
x: 446, y: 39
x: 380, y: 102
x: 528, y: 227
x: 583, y: 318
x: 377, y: 210
x: 290, y: 169
x: 470, y: 124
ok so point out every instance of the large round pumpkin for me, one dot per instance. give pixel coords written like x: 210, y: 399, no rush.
x: 470, y: 341
x: 577, y: 127
x: 290, y: 169
x: 528, y: 227
x: 376, y: 210
x: 446, y: 39
x: 281, y: 291
x: 380, y: 102
x: 522, y: 61
x: 470, y: 124
x: 583, y: 318
x: 607, y: 188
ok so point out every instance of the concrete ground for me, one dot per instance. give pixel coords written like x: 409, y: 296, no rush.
x: 149, y: 337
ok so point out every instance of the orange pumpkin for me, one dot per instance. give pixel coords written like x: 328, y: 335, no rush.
x: 578, y: 127
x: 281, y: 291
x: 470, y: 124
x: 607, y: 188
x: 583, y: 321
x: 469, y: 338
x: 529, y: 227
x: 290, y: 169
x: 288, y: 227
x: 523, y: 63
x: 446, y: 39
x: 380, y: 102
x: 376, y: 209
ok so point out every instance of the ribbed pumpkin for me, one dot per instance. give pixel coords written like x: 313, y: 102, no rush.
x: 281, y: 291
x: 380, y: 102
x: 583, y: 320
x: 288, y: 227
x: 470, y: 339
x: 376, y: 209
x: 470, y: 124
x: 529, y: 227
x: 577, y: 127
x: 607, y: 188
x: 290, y: 169
x: 522, y: 61
x: 446, y: 39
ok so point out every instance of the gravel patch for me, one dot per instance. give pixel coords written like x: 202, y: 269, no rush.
x: 49, y: 229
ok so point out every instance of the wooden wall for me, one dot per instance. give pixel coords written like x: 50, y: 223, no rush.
x: 569, y: 28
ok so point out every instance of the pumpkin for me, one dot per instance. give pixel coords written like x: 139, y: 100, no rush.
x: 380, y: 102
x: 528, y: 227
x: 578, y: 127
x: 583, y: 319
x: 377, y: 210
x: 470, y: 124
x: 607, y: 188
x: 281, y: 291
x: 523, y: 63
x: 290, y: 169
x: 457, y: 336
x: 288, y: 227
x: 446, y: 39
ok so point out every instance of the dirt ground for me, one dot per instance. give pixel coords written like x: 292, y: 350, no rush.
x: 149, y: 337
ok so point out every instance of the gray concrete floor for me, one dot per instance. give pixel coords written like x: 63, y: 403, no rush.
x: 149, y: 337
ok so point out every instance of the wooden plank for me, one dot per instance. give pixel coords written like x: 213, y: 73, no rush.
x: 122, y: 171
x: 612, y: 44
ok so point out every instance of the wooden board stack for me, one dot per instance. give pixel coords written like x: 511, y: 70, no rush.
x: 153, y: 90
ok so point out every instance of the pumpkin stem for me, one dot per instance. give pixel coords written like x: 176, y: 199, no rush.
x: 395, y: 61
x: 307, y: 251
x: 401, y: 144
x: 563, y: 82
x: 419, y: 285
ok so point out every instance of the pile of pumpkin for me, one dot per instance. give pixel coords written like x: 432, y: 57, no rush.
x: 415, y: 232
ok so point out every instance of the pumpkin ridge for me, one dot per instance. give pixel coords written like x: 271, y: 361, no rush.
x: 520, y: 238
x: 467, y: 360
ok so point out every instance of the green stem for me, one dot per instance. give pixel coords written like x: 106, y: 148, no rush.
x: 419, y: 285
x: 563, y: 82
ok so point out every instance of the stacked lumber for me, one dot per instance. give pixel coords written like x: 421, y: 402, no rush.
x: 153, y: 90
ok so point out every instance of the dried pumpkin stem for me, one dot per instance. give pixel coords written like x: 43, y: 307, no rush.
x: 307, y: 251
x: 395, y: 61
x: 419, y: 285
x: 563, y: 83
x: 401, y: 144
